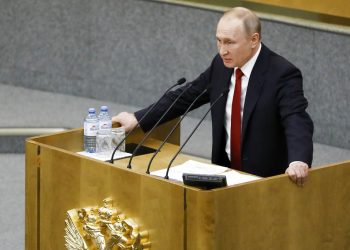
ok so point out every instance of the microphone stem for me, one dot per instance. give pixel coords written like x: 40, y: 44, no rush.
x: 179, y: 82
x: 189, y: 137
x: 173, y: 129
x: 160, y: 119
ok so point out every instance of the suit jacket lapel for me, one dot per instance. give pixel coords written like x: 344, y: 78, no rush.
x: 256, y: 82
x: 225, y: 83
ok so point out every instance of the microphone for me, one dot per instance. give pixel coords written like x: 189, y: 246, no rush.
x: 173, y: 129
x: 194, y: 130
x: 155, y: 125
x: 179, y: 82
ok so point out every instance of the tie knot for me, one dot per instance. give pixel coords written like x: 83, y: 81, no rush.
x: 239, y: 73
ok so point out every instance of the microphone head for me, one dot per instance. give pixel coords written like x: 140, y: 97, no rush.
x: 181, y: 81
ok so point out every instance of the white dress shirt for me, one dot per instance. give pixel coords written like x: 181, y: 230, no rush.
x: 247, y: 70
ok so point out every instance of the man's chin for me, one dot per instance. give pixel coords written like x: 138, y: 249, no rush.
x: 229, y: 65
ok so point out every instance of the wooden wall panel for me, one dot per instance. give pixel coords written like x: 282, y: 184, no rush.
x: 329, y: 7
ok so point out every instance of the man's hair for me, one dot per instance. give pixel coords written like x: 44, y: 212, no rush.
x: 250, y: 20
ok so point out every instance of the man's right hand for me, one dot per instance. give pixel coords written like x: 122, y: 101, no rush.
x: 126, y: 120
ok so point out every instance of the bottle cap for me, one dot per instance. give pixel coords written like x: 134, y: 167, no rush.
x: 92, y: 110
x: 104, y: 108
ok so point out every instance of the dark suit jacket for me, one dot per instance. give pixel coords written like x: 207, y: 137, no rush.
x: 276, y: 129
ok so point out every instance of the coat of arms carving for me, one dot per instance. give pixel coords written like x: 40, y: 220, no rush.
x: 103, y: 228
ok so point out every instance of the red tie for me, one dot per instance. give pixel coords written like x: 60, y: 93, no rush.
x: 236, y: 123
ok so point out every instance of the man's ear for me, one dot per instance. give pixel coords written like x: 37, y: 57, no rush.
x: 255, y: 39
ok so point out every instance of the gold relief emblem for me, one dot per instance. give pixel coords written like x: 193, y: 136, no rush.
x: 103, y: 228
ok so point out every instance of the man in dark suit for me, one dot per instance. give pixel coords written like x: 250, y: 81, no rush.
x: 261, y: 126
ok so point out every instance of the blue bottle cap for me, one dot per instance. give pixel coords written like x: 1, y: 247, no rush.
x: 104, y: 108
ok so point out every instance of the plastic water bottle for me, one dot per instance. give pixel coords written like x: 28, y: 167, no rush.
x: 105, y: 121
x: 90, y: 131
x: 104, y: 134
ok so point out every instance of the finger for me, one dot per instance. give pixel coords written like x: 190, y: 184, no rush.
x: 117, y: 123
x: 297, y: 175
x: 300, y: 178
x: 303, y: 175
x: 291, y: 173
x: 115, y: 119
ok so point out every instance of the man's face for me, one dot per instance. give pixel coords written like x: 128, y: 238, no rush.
x: 234, y: 44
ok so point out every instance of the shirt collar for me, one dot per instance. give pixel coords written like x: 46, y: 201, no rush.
x: 247, y: 68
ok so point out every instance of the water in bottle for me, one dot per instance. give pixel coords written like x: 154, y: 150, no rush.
x: 104, y: 136
x: 105, y: 121
x: 90, y: 131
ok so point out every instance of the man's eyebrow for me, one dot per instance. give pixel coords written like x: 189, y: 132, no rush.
x: 225, y: 39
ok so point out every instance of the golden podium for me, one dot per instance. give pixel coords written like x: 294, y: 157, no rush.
x: 270, y: 213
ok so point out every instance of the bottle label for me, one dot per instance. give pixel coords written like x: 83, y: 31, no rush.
x: 90, y: 129
x: 105, y: 125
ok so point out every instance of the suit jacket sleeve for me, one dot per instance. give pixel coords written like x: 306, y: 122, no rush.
x: 195, y: 88
x: 297, y: 124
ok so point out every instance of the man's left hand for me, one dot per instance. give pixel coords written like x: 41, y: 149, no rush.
x: 298, y: 172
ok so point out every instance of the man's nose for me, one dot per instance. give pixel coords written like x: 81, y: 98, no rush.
x: 222, y: 50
